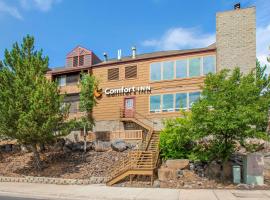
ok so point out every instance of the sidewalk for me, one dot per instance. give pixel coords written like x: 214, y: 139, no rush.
x: 101, y: 192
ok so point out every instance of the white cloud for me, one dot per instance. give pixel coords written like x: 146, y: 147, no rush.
x: 263, y: 43
x: 181, y: 38
x: 42, y: 5
x: 10, y: 10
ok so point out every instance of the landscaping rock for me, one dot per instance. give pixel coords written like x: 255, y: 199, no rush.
x: 166, y: 174
x: 100, y: 146
x: 119, y: 145
x: 177, y: 164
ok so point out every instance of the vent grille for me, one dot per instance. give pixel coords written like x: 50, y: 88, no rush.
x: 131, y: 72
x: 113, y: 74
x: 75, y: 61
x: 81, y: 60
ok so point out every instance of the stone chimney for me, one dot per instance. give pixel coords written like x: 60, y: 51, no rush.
x: 236, y: 39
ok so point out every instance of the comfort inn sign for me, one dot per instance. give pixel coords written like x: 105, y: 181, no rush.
x: 127, y: 90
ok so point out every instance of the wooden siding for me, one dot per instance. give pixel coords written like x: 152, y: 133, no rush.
x: 108, y: 107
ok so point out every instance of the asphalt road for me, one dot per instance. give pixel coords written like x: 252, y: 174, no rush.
x: 17, y: 198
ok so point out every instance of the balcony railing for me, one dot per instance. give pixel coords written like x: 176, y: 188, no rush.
x: 127, y: 135
x: 74, y: 88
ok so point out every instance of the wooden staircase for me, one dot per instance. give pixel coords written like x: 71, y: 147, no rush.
x: 143, y: 161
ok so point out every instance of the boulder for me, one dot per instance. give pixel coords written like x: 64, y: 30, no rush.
x: 119, y: 145
x: 166, y: 174
x: 177, y: 164
x: 100, y: 146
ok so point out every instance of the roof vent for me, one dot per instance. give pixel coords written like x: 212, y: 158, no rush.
x: 133, y: 52
x: 119, y: 55
x: 105, y: 56
x: 237, y: 6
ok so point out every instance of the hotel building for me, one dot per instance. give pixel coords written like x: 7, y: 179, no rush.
x: 140, y: 91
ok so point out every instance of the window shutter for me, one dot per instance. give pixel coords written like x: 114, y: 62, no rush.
x: 113, y: 74
x: 130, y: 72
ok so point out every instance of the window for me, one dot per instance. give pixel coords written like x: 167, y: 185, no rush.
x: 167, y: 101
x: 180, y: 101
x: 193, y: 97
x: 155, y: 101
x: 81, y: 60
x: 194, y: 67
x: 72, y: 79
x: 75, y: 61
x: 168, y: 70
x: 61, y: 80
x: 209, y: 64
x: 73, y: 100
x: 155, y: 71
x: 181, y: 68
x: 113, y: 74
x: 172, y: 102
x: 130, y: 72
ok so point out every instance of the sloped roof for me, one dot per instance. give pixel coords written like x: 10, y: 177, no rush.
x: 139, y: 57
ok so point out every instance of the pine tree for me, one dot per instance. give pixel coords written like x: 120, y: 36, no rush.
x: 31, y: 107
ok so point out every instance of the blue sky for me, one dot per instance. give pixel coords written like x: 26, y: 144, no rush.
x: 106, y: 26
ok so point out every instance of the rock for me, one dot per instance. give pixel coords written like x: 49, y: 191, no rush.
x: 214, y: 170
x: 243, y: 186
x: 66, y: 149
x: 156, y: 184
x: 79, y: 146
x: 100, y: 146
x: 24, y: 149
x: 191, y: 166
x: 8, y: 147
x: 177, y: 164
x: 119, y: 145
x: 166, y: 174
x: 60, y: 143
x: 179, y: 173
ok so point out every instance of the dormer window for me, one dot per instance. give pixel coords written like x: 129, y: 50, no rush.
x: 80, y: 56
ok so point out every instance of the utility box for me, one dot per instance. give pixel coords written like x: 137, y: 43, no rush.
x: 236, y: 174
x: 253, y: 169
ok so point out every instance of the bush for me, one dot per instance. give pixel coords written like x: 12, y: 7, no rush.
x: 177, y: 138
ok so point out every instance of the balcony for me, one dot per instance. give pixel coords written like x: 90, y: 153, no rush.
x: 127, y: 135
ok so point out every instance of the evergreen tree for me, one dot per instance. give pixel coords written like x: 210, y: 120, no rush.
x: 31, y: 107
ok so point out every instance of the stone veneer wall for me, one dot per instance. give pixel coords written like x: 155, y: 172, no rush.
x: 236, y: 39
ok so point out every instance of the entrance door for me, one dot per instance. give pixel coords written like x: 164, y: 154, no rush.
x: 129, y: 103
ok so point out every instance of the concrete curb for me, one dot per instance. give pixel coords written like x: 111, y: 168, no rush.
x: 58, y: 181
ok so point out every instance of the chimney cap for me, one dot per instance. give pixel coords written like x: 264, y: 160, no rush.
x: 237, y: 6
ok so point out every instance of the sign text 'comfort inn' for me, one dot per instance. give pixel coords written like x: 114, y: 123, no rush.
x: 127, y: 90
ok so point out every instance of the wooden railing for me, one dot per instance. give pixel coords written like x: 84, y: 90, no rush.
x: 136, y: 160
x: 127, y: 134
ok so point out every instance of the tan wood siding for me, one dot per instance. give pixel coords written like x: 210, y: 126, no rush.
x: 108, y: 107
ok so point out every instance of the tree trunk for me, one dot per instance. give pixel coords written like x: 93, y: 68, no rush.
x: 42, y: 147
x: 268, y: 123
x: 84, y: 138
x: 36, y: 155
